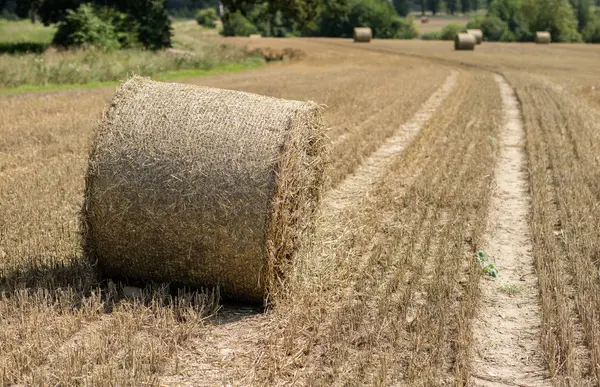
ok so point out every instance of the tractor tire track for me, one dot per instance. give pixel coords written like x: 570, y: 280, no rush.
x: 507, y: 329
x: 372, y: 169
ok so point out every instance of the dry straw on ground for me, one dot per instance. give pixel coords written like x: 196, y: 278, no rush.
x: 202, y: 186
x: 543, y: 37
x: 393, y: 297
x: 478, y: 34
x: 363, y: 34
x: 464, y: 41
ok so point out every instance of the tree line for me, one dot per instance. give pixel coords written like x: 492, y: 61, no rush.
x: 118, y: 23
x: 506, y: 20
x: 518, y: 20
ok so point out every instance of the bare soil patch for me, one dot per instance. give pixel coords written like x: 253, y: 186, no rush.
x: 507, y: 326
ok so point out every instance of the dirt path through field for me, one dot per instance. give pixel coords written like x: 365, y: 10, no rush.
x: 507, y: 329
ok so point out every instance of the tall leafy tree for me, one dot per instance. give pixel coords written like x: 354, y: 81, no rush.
x: 334, y: 18
x: 465, y: 5
x: 153, y: 24
x: 190, y: 4
x: 302, y: 14
x: 510, y: 12
x: 582, y: 12
x: 555, y: 16
x: 147, y: 17
x: 433, y: 6
x: 341, y: 16
x: 402, y: 7
x: 451, y: 6
x: 28, y: 8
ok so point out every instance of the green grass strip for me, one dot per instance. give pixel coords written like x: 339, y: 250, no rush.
x: 162, y: 76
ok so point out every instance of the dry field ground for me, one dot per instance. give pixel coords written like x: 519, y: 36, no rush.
x: 435, y: 156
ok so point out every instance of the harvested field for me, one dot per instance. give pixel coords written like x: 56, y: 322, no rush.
x: 388, y: 290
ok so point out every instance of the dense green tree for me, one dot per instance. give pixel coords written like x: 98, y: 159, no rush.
x: 153, y: 25
x: 433, y: 6
x: 147, y: 17
x: 591, y: 32
x: 236, y: 24
x: 509, y: 11
x: 582, y: 12
x: 271, y: 22
x: 189, y: 8
x: 494, y: 29
x: 28, y: 9
x: 340, y: 17
x: 53, y: 11
x: 402, y: 7
x: 451, y: 6
x: 303, y: 15
x: 450, y: 30
x: 465, y: 5
x: 207, y: 17
x: 88, y: 26
x: 335, y: 18
x: 555, y: 16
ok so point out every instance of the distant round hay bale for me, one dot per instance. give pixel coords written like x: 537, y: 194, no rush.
x: 543, y: 37
x: 255, y: 36
x: 201, y: 186
x: 478, y: 34
x: 464, y: 41
x: 363, y: 34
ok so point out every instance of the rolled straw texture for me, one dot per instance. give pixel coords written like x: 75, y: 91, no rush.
x: 464, y: 41
x: 543, y: 37
x: 202, y: 186
x: 478, y: 34
x: 363, y: 34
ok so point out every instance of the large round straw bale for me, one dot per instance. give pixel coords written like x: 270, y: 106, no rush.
x: 464, y: 41
x: 202, y: 186
x: 363, y: 34
x: 478, y: 34
x: 255, y: 36
x: 543, y: 37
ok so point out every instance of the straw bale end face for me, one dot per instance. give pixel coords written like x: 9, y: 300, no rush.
x: 543, y: 37
x: 464, y: 41
x: 478, y: 34
x: 362, y: 35
x: 202, y: 186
